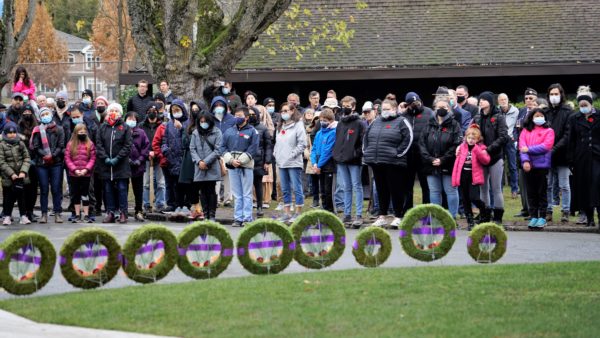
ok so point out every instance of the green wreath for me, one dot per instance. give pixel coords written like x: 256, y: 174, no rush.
x: 487, y: 243
x: 97, y: 256
x: 265, y: 247
x: 320, y: 239
x: 27, y: 261
x: 427, y: 232
x: 366, y: 243
x: 205, y: 250
x: 149, y: 253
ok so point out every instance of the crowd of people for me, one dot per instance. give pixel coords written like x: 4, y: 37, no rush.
x: 224, y: 150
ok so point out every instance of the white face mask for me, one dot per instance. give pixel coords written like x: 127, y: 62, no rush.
x: 555, y: 99
x: 387, y: 113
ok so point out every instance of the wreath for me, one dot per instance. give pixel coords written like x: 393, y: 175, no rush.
x: 265, y: 247
x: 205, y: 250
x: 27, y: 261
x: 90, y: 258
x: 320, y: 238
x: 149, y: 253
x: 372, y: 247
x: 428, y: 232
x: 487, y: 243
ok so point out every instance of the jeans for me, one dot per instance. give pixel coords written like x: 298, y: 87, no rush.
x: 511, y: 157
x: 116, y: 192
x: 50, y: 177
x: 170, y: 188
x: 291, y: 179
x: 159, y: 186
x: 338, y: 195
x: 438, y: 182
x: 562, y: 175
x: 241, y: 185
x: 349, y: 177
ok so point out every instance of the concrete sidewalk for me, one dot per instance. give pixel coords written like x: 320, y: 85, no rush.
x: 13, y: 326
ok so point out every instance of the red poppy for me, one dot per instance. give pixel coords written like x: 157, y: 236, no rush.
x: 282, y: 132
x: 388, y: 126
x: 350, y: 131
x: 444, y: 130
x: 590, y: 119
x: 242, y: 135
x: 120, y: 127
x: 493, y: 119
x: 419, y: 116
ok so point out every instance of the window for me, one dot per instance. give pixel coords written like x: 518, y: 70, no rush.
x: 90, y: 85
x: 89, y: 60
x: 71, y: 58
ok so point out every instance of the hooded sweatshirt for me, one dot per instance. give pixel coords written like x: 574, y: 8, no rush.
x: 228, y: 120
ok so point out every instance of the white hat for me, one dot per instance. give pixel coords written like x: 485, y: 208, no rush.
x: 368, y: 106
x: 331, y: 103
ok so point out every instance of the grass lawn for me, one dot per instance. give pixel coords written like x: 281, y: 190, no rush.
x: 542, y: 300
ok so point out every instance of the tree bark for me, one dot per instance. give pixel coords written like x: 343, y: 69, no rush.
x: 10, y: 41
x: 120, y: 29
x: 163, y: 34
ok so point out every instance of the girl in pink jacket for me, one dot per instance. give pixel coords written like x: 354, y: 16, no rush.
x: 468, y: 171
x: 535, y: 148
x: 80, y: 157
x: 23, y: 84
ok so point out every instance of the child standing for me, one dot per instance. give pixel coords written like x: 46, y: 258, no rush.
x: 80, y: 157
x: 535, y: 146
x: 14, y: 166
x: 321, y: 156
x: 468, y: 171
x: 140, y: 149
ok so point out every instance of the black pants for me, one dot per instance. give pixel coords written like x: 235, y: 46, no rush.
x: 258, y: 189
x: 326, y: 187
x: 523, y: 187
x: 30, y: 191
x: 469, y: 193
x: 137, y: 185
x: 537, y: 192
x: 80, y: 191
x: 170, y: 188
x: 412, y: 170
x: 390, y: 181
x: 9, y: 197
x: 186, y: 195
x: 274, y: 193
x: 315, y: 187
x: 208, y: 197
x: 98, y: 193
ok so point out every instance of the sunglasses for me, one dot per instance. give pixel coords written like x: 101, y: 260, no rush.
x: 529, y: 98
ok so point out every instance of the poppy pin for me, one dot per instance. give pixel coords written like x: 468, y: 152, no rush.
x: 419, y: 116
x: 283, y: 132
x: 242, y: 135
x: 350, y: 131
x: 444, y: 130
x: 493, y: 119
x: 388, y: 126
x: 590, y: 119
x: 120, y: 127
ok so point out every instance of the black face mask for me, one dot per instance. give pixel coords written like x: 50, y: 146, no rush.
x: 61, y: 104
x: 101, y: 109
x: 442, y: 112
x: 346, y: 111
x: 461, y: 99
x: 253, y: 119
x: 82, y: 137
x: 28, y: 117
x: 152, y: 115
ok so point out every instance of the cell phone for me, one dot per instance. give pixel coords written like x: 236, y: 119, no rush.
x: 220, y: 83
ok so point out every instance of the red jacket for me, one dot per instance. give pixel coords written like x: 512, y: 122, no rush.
x: 81, y: 160
x: 479, y: 158
x: 157, y: 143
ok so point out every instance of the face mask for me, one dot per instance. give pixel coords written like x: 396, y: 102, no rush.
x: 177, y: 115
x: 131, y: 124
x: 204, y: 125
x: 82, y: 137
x: 442, y: 112
x: 324, y: 124
x: 61, y: 104
x: 285, y: 116
x: 219, y: 110
x: 346, y: 111
x: 239, y: 121
x: 226, y: 91
x: 87, y: 101
x: 387, y: 113
x: 101, y: 109
x: 555, y: 99
x: 270, y: 110
x: 540, y: 120
x: 253, y: 119
x: 77, y: 120
x: 112, y: 119
x: 152, y: 116
x: 46, y: 119
x: 28, y: 117
x: 461, y: 99
x: 585, y: 110
x: 452, y: 103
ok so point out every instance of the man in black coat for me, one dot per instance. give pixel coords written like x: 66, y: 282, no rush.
x: 462, y: 94
x: 263, y: 158
x: 138, y: 102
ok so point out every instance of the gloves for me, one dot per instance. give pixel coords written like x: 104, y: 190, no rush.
x: 136, y: 163
x: 107, y: 161
x: 111, y: 161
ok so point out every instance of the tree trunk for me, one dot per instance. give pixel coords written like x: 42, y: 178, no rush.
x: 121, y: 56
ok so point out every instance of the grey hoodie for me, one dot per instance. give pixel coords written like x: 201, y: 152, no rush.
x: 290, y: 142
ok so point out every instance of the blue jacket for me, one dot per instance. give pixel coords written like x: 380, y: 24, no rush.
x: 244, y: 140
x: 322, y: 150
x: 228, y: 119
x: 172, y: 145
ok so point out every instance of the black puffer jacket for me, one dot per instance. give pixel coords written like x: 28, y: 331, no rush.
x: 56, y: 141
x: 494, y: 132
x: 387, y: 141
x: 348, y: 140
x: 264, y: 154
x: 138, y: 104
x: 440, y: 141
x: 558, y: 118
x: 113, y: 142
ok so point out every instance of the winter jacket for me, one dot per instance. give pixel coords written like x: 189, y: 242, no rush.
x: 290, y: 142
x: 558, y: 118
x: 14, y: 159
x: 87, y: 111
x: 584, y: 138
x: 113, y: 142
x: 84, y: 158
x: 64, y: 122
x: 228, y: 120
x: 138, y: 104
x: 540, y: 141
x: 157, y: 142
x: 264, y: 154
x: 207, y: 147
x: 150, y: 128
x: 348, y: 140
x: 473, y: 110
x: 419, y: 120
x: 140, y: 148
x: 186, y: 175
x: 494, y: 132
x: 511, y: 117
x: 479, y: 159
x: 440, y: 141
x: 321, y: 154
x: 388, y: 141
x: 12, y: 114
x: 20, y: 87
x: 56, y: 141
x: 243, y: 140
x: 172, y: 147
x: 465, y: 117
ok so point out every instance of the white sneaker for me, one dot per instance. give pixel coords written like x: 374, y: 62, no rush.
x: 396, y: 222
x: 265, y: 206
x: 7, y: 220
x: 185, y: 211
x: 177, y: 211
x: 279, y: 207
x: 380, y: 222
x: 24, y: 220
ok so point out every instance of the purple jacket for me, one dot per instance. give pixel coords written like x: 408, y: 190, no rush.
x: 539, y: 142
x: 139, y: 152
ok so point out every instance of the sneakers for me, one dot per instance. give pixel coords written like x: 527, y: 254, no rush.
x: 73, y: 218
x: 380, y: 222
x: 265, y: 205
x: 582, y: 219
x: 279, y: 207
x: 315, y: 204
x: 237, y: 224
x: 139, y: 216
x: 532, y: 223
x: 564, y: 218
x: 122, y: 218
x: 185, y: 211
x: 197, y: 215
x: 24, y: 220
x: 347, y: 220
x: 358, y: 222
x: 177, y: 211
x: 293, y: 218
x: 259, y: 212
x: 7, y: 221
x: 89, y: 219
x: 396, y: 223
x: 541, y: 223
x: 110, y: 218
x: 284, y: 218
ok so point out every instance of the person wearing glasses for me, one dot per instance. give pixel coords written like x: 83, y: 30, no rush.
x: 531, y: 96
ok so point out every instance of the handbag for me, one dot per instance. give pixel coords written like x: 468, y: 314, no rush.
x: 220, y: 160
x: 310, y: 170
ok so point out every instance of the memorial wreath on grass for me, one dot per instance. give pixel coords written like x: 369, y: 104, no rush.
x: 427, y: 232
x: 487, y: 243
x: 372, y: 247
x: 320, y: 239
x: 205, y: 250
x: 265, y: 247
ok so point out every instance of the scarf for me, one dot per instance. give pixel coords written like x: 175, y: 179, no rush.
x: 42, y: 129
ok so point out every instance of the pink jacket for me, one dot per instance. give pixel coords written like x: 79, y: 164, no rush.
x: 81, y: 160
x: 479, y: 158
x: 20, y: 87
x: 539, y: 142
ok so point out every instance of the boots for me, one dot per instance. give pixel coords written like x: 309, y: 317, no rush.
x: 565, y: 217
x: 110, y: 218
x: 44, y: 219
x: 498, y: 214
x: 259, y: 211
x: 485, y: 215
x: 470, y: 222
x: 123, y: 218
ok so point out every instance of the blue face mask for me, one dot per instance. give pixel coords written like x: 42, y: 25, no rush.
x: 87, y: 101
x: 131, y: 124
x: 270, y: 110
x: 585, y: 110
x: 240, y: 120
x: 219, y: 110
x: 540, y: 120
x: 2, y: 115
x: 46, y: 119
x: 204, y: 125
x: 226, y: 91
x: 77, y: 120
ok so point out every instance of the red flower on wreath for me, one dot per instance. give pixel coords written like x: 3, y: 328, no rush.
x: 590, y: 119
x: 350, y: 131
